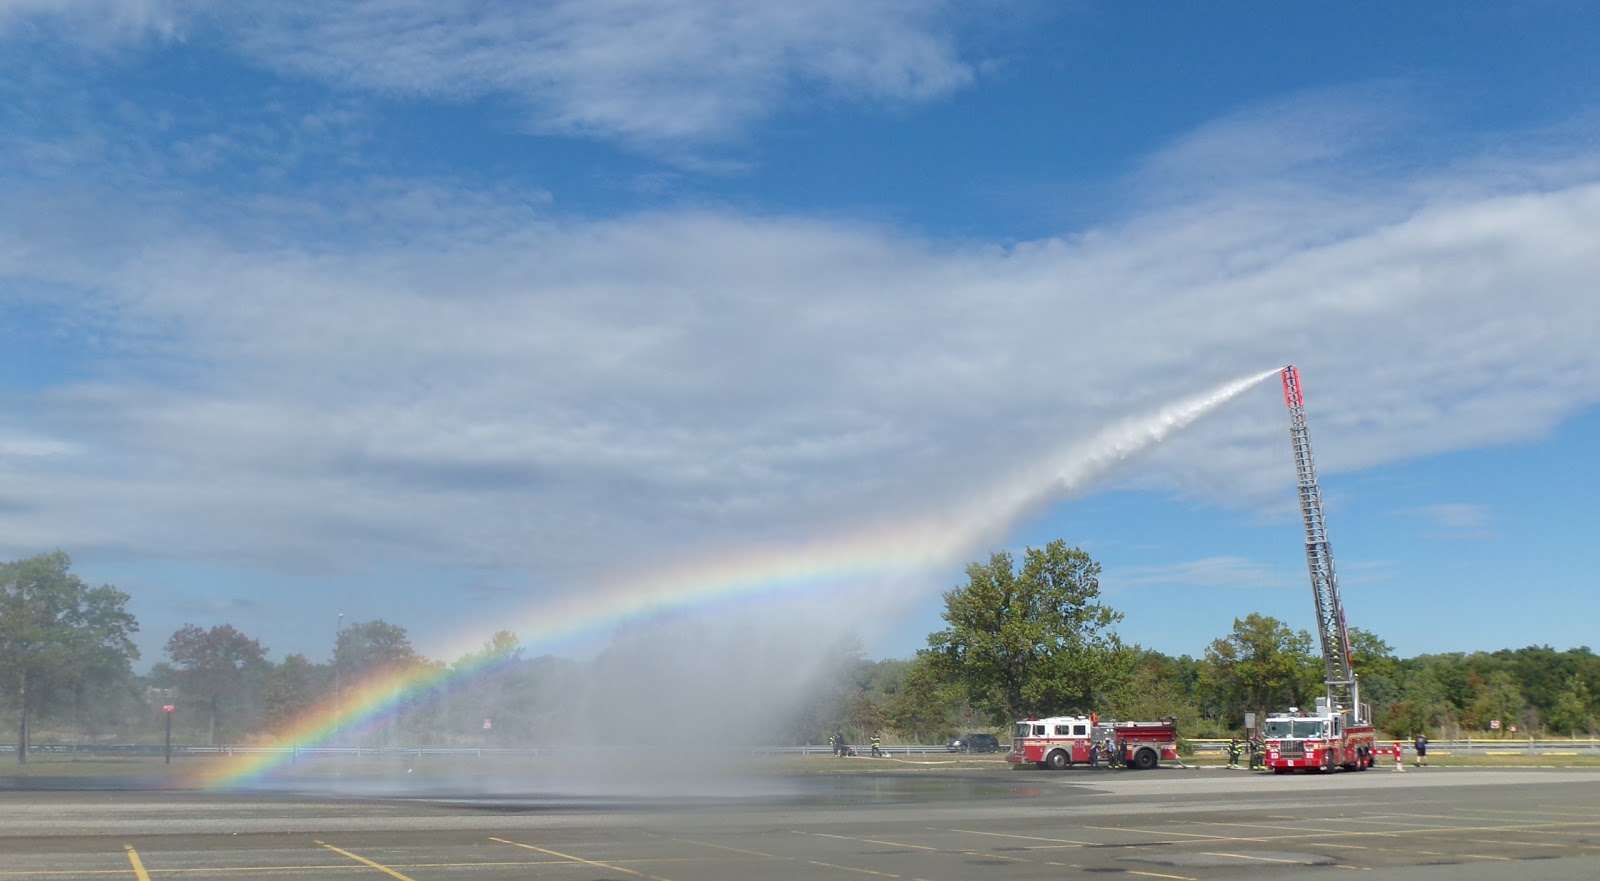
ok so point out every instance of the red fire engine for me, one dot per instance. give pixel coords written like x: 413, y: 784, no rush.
x: 1339, y: 733
x: 1060, y: 742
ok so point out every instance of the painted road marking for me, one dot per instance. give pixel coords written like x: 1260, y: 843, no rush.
x: 1175, y: 832
x: 774, y: 856
x: 567, y: 856
x: 361, y: 859
x: 1059, y: 842
x: 867, y: 840
x: 1242, y: 856
x: 138, y: 864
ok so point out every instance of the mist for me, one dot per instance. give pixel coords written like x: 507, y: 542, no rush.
x: 673, y: 696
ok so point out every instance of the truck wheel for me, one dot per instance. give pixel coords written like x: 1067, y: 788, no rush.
x: 1145, y: 759
x: 1058, y: 760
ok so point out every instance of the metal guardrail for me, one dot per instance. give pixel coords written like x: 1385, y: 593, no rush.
x: 1470, y: 746
x: 141, y: 749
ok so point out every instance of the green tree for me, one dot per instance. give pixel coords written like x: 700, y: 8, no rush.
x: 1500, y: 700
x: 56, y: 631
x: 1571, y: 713
x: 1377, y: 669
x: 1152, y: 690
x: 371, y: 647
x: 922, y: 708
x: 366, y: 657
x: 210, y: 667
x: 490, y: 693
x: 292, y: 687
x: 1033, y: 641
x: 1261, y: 666
x: 1422, y: 705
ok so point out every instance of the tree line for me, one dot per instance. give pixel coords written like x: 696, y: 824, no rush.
x: 1021, y: 638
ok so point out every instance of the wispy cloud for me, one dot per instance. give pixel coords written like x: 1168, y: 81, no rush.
x: 636, y: 71
x: 1223, y: 571
x: 428, y: 372
x: 1454, y: 521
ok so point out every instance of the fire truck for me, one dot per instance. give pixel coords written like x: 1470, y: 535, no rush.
x: 1059, y: 742
x: 1337, y: 732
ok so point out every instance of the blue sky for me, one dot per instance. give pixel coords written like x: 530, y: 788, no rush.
x: 438, y: 312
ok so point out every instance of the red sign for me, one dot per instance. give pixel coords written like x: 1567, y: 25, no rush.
x: 487, y: 725
x: 167, y: 708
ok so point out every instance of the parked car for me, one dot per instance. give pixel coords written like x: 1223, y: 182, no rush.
x: 975, y: 743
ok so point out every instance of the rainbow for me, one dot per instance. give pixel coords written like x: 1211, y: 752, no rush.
x: 921, y: 548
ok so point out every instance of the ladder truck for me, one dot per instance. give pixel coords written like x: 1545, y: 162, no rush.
x: 1338, y: 731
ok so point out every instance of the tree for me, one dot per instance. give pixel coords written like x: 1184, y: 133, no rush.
x: 56, y: 630
x: 1499, y: 700
x: 1570, y: 713
x: 372, y: 647
x: 1029, y: 642
x: 292, y: 687
x: 366, y: 657
x: 1154, y: 690
x: 210, y: 665
x: 922, y: 707
x: 1260, y: 666
x: 1422, y: 704
x: 489, y: 691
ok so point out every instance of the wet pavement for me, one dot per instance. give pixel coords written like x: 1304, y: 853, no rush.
x: 1172, y: 823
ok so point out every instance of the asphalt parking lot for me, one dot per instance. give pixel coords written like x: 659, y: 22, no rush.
x: 1542, y: 825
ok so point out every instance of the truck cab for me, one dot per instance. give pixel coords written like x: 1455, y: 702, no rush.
x: 1323, y: 739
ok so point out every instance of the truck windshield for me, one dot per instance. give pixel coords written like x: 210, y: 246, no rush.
x: 1290, y: 729
x: 1023, y: 730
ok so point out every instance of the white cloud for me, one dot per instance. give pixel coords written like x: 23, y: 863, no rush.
x: 540, y: 394
x: 100, y: 23
x: 466, y: 382
x: 638, y: 71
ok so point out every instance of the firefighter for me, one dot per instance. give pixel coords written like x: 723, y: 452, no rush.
x: 1094, y: 753
x: 877, y: 745
x: 1233, y: 753
x: 838, y: 744
x: 1258, y: 754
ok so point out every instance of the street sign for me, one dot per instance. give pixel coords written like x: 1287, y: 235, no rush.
x: 487, y: 724
x: 167, y: 708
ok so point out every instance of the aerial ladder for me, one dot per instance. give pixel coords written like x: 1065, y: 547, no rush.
x: 1339, y: 732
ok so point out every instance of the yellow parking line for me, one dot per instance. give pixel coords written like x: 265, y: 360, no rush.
x: 1159, y: 875
x: 138, y: 864
x: 361, y: 859
x: 566, y: 856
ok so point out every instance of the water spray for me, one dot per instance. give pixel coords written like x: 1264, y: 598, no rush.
x: 1068, y: 471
